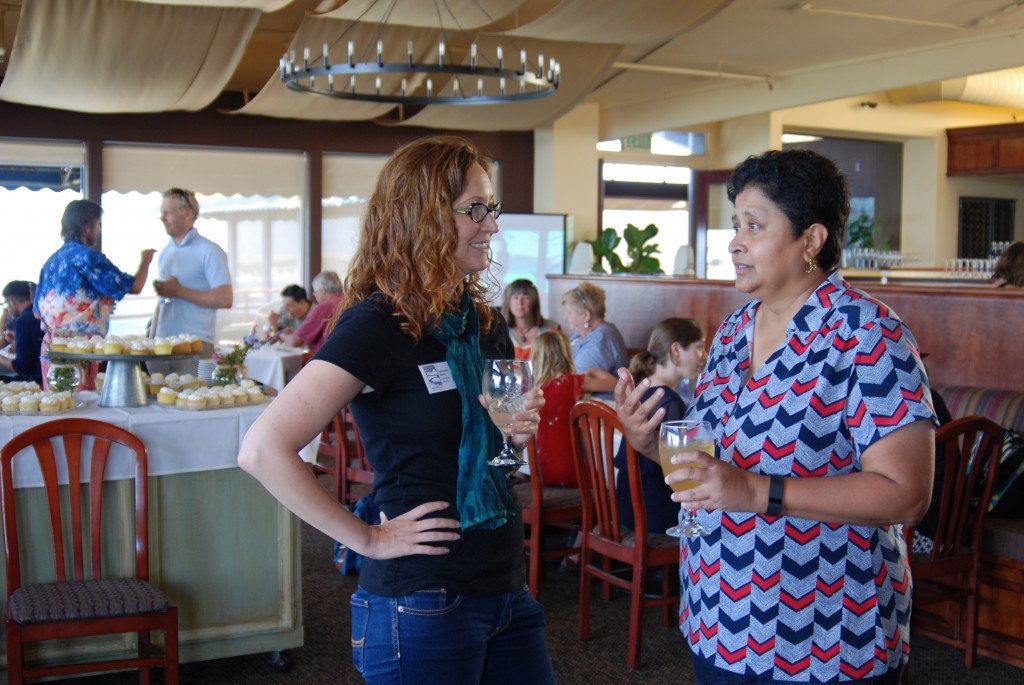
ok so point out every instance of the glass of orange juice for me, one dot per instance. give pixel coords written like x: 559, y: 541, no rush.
x: 685, y: 436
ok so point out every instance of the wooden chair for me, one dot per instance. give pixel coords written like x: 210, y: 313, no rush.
x: 81, y: 600
x: 544, y: 507
x: 972, y: 447
x: 596, y: 424
x: 342, y: 446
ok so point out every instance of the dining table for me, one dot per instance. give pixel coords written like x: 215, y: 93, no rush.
x: 274, y: 365
x: 221, y: 547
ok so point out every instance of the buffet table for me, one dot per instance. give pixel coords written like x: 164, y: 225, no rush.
x: 221, y: 547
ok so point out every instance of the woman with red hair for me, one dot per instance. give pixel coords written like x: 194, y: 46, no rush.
x: 443, y: 575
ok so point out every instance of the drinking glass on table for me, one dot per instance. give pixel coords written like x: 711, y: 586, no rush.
x: 506, y: 383
x: 685, y: 436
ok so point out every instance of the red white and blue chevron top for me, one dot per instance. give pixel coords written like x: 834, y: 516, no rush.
x: 786, y: 597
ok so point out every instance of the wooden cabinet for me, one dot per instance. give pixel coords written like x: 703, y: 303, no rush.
x: 985, y: 150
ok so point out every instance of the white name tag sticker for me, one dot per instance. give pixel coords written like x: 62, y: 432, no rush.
x: 437, y: 377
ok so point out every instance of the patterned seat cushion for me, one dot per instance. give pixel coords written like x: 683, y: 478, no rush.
x: 1004, y: 407
x: 84, y: 599
x: 553, y: 497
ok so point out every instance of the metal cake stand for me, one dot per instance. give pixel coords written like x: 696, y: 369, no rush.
x: 123, y: 386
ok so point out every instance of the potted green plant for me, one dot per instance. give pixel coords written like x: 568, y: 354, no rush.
x: 639, y: 250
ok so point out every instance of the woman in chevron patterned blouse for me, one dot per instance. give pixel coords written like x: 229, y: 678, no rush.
x: 825, y: 434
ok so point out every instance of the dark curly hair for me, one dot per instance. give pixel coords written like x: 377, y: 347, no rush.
x: 807, y: 187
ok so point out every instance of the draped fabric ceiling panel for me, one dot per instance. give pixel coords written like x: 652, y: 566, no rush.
x: 146, y: 56
x: 105, y: 56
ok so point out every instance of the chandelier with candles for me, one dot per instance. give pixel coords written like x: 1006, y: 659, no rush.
x: 369, y: 73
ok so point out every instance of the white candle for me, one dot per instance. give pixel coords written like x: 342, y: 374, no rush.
x: 500, y: 57
x: 403, y: 87
x: 440, y: 53
x: 409, y: 49
x: 351, y: 52
x: 522, y: 61
x: 540, y: 65
x: 377, y: 85
x: 326, y: 47
x: 502, y: 85
x: 305, y: 58
x: 430, y: 88
x: 380, y: 51
x: 479, y: 87
x: 472, y: 56
x: 455, y: 88
x: 330, y: 82
x: 352, y: 83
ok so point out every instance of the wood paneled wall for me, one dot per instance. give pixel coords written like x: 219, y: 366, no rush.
x: 972, y: 334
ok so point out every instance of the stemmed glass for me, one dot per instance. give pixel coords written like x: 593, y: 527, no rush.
x: 506, y: 383
x: 685, y: 436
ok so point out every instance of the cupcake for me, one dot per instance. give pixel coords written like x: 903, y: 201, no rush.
x: 29, y: 403
x: 180, y: 346
x: 138, y: 347
x: 50, y: 404
x: 255, y: 394
x: 67, y: 399
x: 9, y: 405
x: 162, y: 346
x: 241, y: 396
x: 195, y: 344
x: 167, y: 396
x: 212, y: 400
x: 113, y: 346
x: 196, y: 401
x: 59, y: 345
x: 156, y: 383
x: 227, y: 398
x: 181, y: 400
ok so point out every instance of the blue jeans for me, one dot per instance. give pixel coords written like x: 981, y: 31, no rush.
x: 709, y: 674
x: 435, y: 636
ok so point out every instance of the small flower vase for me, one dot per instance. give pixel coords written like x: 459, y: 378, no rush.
x: 225, y: 374
x: 63, y: 377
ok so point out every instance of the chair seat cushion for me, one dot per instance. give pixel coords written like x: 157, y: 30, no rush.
x: 653, y: 541
x: 553, y: 497
x: 84, y: 599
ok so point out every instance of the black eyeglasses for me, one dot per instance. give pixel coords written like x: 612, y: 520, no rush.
x: 478, y: 211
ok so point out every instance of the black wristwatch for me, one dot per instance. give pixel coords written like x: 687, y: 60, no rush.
x: 775, y: 489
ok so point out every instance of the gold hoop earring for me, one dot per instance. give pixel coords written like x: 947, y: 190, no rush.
x: 812, y: 266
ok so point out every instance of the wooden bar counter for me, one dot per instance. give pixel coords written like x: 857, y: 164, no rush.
x: 971, y: 333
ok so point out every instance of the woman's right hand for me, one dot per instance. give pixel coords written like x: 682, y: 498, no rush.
x: 640, y: 431
x: 410, y: 533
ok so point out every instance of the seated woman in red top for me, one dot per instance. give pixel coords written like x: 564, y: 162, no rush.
x: 555, y: 374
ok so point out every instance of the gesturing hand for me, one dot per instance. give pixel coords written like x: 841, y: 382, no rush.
x: 640, y: 431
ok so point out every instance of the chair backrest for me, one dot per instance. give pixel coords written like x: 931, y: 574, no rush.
x: 536, y: 475
x: 972, y: 446
x: 77, y: 454
x: 353, y: 456
x: 595, y: 425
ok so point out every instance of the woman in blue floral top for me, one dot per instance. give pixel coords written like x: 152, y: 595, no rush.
x: 79, y: 286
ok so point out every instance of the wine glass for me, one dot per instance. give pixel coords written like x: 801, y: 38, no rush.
x: 685, y: 436
x: 506, y: 383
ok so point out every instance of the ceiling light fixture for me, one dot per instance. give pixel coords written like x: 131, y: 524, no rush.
x: 368, y: 74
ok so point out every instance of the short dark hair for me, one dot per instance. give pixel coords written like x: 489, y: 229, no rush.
x: 807, y: 187
x: 296, y: 292
x: 18, y: 290
x: 78, y: 215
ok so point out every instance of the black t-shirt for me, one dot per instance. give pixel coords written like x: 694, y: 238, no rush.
x: 412, y: 441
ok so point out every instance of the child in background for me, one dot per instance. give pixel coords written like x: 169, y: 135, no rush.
x: 555, y: 374
x: 675, y: 351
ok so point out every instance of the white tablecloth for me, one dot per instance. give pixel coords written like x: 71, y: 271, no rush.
x: 273, y: 366
x: 176, y: 440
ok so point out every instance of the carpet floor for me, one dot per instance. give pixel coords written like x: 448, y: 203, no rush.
x: 326, y: 658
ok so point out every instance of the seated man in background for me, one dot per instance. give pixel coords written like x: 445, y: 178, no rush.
x: 313, y: 331
x: 294, y: 310
x: 28, y: 334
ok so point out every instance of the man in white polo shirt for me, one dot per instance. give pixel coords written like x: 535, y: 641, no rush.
x: 194, y: 278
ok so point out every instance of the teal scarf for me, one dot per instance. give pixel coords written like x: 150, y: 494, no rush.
x: 482, y: 497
